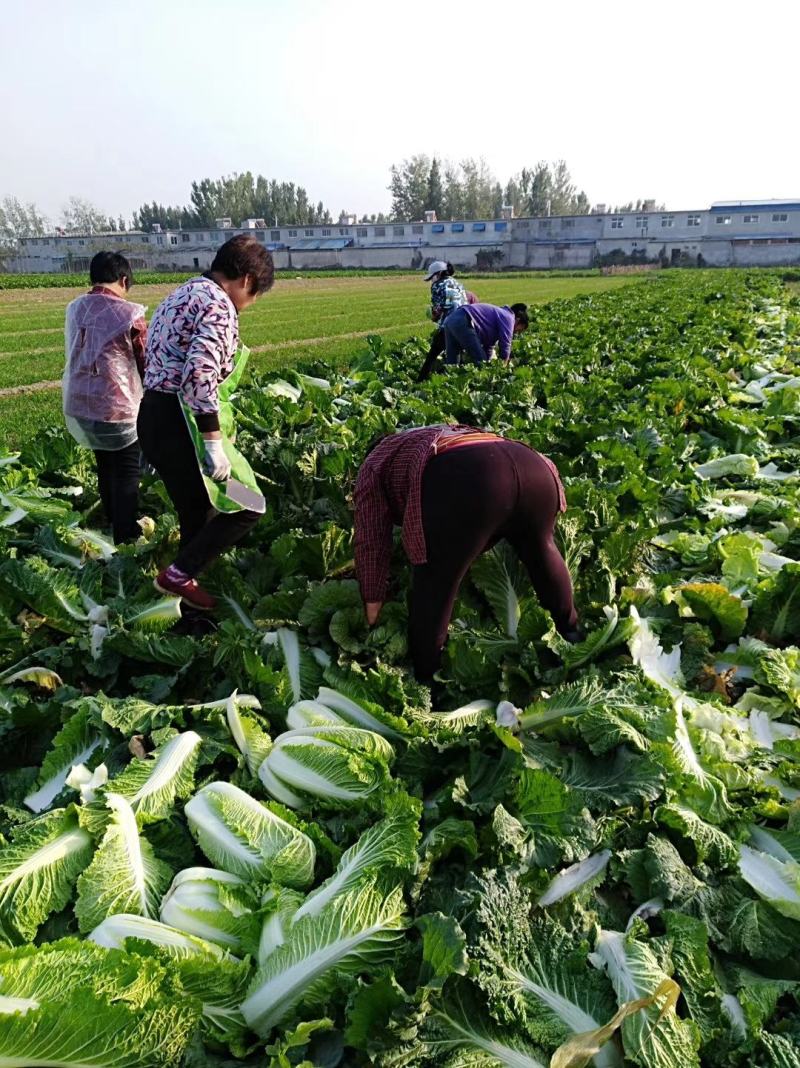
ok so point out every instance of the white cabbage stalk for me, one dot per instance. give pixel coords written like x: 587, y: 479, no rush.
x: 353, y: 713
x: 192, y: 904
x: 243, y: 836
x: 645, y: 911
x: 387, y: 844
x: 471, y: 711
x: 321, y: 657
x: 113, y: 931
x: 17, y: 1006
x: 281, y: 388
x: 733, y: 1010
x: 281, y: 905
x: 16, y: 515
x: 771, y: 472
x: 38, y: 870
x: 102, y: 548
x: 342, y: 764
x: 290, y: 647
x: 635, y: 973
x: 767, y: 843
x: 98, y: 635
x: 356, y: 930
x: 317, y: 383
x: 162, y: 611
x: 43, y: 798
x: 252, y: 741
x: 173, y: 759
x: 776, y: 881
x: 461, y: 719
x: 507, y: 715
x: 558, y: 996
x: 574, y: 877
x: 125, y: 876
x: 664, y: 669
x: 461, y: 1031
x: 737, y: 463
x: 767, y: 731
x: 87, y: 782
x: 312, y: 714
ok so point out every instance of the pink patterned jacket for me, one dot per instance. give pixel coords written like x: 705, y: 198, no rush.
x: 191, y: 345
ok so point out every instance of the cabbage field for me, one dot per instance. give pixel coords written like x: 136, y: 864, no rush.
x: 257, y: 841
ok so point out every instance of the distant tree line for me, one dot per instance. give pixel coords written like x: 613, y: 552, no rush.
x: 469, y: 190
x: 465, y: 190
x: 236, y: 197
x: 78, y: 216
x: 637, y: 205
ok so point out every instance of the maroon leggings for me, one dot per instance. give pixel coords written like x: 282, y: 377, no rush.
x: 472, y: 496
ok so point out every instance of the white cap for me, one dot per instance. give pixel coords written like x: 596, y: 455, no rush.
x: 435, y: 268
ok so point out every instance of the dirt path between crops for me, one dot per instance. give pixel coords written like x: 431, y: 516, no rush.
x: 35, y: 387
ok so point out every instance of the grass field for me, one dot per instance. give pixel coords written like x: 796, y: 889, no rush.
x: 325, y: 318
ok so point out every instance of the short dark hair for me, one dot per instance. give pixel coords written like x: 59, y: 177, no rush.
x: 450, y: 270
x: 109, y: 267
x: 246, y: 255
x: 521, y: 313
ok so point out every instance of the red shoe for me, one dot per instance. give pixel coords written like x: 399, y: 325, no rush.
x: 187, y: 589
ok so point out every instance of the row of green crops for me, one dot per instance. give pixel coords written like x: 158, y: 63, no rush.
x: 256, y: 840
x: 145, y: 278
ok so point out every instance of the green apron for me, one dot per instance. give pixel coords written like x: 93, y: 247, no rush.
x: 241, y: 489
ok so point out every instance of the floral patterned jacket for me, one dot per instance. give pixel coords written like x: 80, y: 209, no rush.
x: 191, y: 346
x: 445, y: 296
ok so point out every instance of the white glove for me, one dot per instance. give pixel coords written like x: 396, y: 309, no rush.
x: 217, y: 463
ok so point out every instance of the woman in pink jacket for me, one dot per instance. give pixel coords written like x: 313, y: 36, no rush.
x: 102, y: 385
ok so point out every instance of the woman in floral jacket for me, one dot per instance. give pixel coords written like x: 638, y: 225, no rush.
x: 447, y: 294
x: 191, y: 349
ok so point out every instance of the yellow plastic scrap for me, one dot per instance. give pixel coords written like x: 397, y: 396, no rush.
x: 577, y: 1051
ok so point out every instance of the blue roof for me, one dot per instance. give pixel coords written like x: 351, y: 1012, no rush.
x: 568, y: 240
x: 746, y: 207
x: 760, y: 237
x: 310, y: 244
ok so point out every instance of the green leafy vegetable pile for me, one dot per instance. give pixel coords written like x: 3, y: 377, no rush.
x: 259, y: 841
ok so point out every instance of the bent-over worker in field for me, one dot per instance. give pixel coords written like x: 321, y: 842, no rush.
x: 102, y: 385
x: 476, y: 328
x: 456, y: 491
x: 447, y: 294
x: 193, y: 363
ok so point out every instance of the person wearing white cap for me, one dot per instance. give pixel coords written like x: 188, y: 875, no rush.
x: 447, y: 293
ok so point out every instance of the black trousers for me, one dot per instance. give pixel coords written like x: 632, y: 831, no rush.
x: 436, y: 349
x: 118, y: 483
x: 473, y: 496
x: 167, y: 445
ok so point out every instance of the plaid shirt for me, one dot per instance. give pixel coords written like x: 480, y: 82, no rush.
x: 389, y: 492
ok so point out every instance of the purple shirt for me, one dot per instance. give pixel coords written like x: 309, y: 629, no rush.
x: 493, y: 326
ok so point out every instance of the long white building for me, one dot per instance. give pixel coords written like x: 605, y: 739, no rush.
x: 740, y: 233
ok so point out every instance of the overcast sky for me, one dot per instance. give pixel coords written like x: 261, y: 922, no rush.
x: 121, y: 103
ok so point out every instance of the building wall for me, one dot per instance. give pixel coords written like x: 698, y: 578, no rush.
x: 774, y: 255
x: 559, y: 256
x: 724, y: 234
